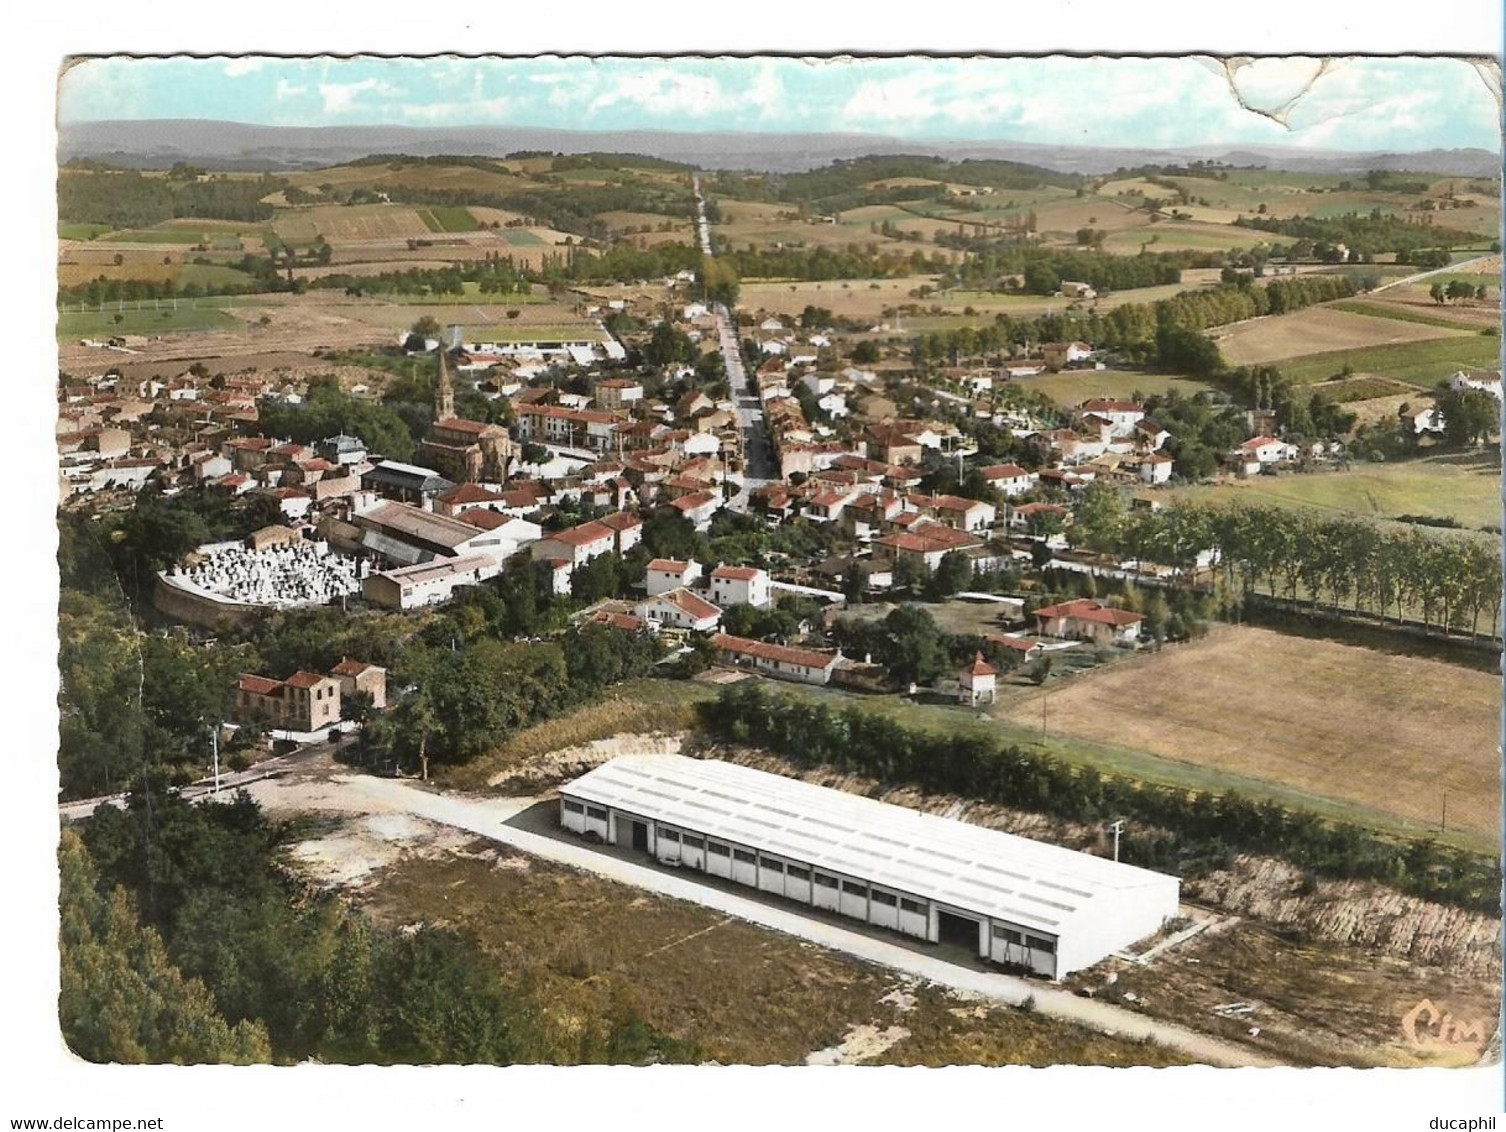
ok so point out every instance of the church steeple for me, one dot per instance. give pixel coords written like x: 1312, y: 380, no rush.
x: 444, y: 388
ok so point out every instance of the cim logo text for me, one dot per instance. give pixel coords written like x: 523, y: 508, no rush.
x: 1427, y: 1027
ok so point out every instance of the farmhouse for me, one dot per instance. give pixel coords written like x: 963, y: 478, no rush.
x: 1086, y: 619
x: 305, y: 701
x: 1011, y: 479
x: 1005, y: 898
x: 1487, y: 380
x: 783, y: 661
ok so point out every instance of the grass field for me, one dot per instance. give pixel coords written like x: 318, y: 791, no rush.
x: 94, y: 324
x: 1278, y: 337
x: 1425, y: 363
x: 167, y: 236
x: 81, y: 231
x: 1466, y: 488
x: 1399, y: 312
x: 1389, y: 733
x: 522, y: 238
x: 1073, y: 386
x: 449, y: 218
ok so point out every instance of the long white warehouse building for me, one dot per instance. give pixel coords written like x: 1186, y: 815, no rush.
x: 1014, y: 900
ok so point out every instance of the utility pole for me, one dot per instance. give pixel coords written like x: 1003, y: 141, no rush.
x: 1043, y: 715
x: 1118, y: 828
x: 214, y: 746
x: 1443, y: 825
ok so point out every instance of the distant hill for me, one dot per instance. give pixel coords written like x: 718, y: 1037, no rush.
x: 239, y: 146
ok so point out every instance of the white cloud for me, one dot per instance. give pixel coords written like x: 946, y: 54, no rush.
x: 340, y: 98
x: 663, y: 92
x: 470, y: 111
x: 244, y: 65
x: 286, y: 90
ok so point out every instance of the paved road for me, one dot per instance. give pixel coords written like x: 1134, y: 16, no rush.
x: 500, y: 821
x: 759, y: 466
x: 204, y: 787
x: 1429, y: 274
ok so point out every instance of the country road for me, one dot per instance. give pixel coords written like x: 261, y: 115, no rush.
x: 506, y: 821
x: 1461, y: 266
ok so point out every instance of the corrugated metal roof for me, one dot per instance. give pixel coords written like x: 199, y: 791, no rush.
x: 980, y: 870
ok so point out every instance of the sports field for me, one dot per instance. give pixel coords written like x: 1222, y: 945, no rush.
x: 1386, y: 732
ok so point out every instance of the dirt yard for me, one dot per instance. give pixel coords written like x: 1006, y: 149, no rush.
x: 1391, y: 733
x: 1314, y: 330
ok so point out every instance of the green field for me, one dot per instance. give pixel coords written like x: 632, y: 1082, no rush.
x: 212, y: 275
x: 522, y: 238
x: 471, y: 295
x: 1462, y: 487
x: 165, y: 236
x: 81, y: 231
x: 1423, y: 362
x: 448, y: 218
x: 1073, y: 386
x: 94, y: 324
x: 1400, y: 314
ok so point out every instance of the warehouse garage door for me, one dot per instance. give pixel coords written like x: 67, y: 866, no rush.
x: 960, y: 930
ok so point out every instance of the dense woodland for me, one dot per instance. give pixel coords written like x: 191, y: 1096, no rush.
x: 184, y: 939
x: 124, y: 199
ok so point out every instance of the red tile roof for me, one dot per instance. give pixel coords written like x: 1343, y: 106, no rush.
x: 762, y: 650
x: 1086, y: 609
x: 981, y: 667
x: 261, y: 685
x: 736, y: 573
x: 305, y: 679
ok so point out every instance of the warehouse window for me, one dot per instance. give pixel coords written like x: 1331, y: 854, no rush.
x: 854, y: 888
x: 695, y: 842
x: 668, y: 835
x: 574, y: 808
x: 716, y: 850
x: 1036, y: 943
x: 594, y: 812
x: 772, y: 866
x: 797, y: 873
x: 826, y: 881
x: 1006, y: 935
x: 912, y: 906
x: 884, y: 898
x: 744, y: 856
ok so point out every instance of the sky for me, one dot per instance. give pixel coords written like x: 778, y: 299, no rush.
x: 1351, y: 103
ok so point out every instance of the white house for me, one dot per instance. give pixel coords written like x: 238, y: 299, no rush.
x: 665, y: 574
x: 1122, y: 416
x: 1086, y: 619
x: 1488, y: 380
x: 740, y: 585
x: 577, y: 545
x: 1155, y: 469
x: 428, y: 582
x: 680, y: 608
x: 1011, y: 479
x: 1264, y: 450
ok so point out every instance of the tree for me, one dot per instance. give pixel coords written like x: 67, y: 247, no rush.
x: 1436, y: 293
x: 1099, y: 517
x: 426, y: 327
x: 121, y: 998
x: 1470, y: 416
x: 953, y: 575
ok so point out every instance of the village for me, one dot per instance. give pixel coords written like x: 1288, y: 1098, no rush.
x: 871, y: 608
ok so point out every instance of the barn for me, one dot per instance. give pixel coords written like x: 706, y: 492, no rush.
x: 1012, y: 900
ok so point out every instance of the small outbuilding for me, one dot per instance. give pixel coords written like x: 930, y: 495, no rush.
x: 975, y: 683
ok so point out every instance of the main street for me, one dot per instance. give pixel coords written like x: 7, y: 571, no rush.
x: 759, y: 466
